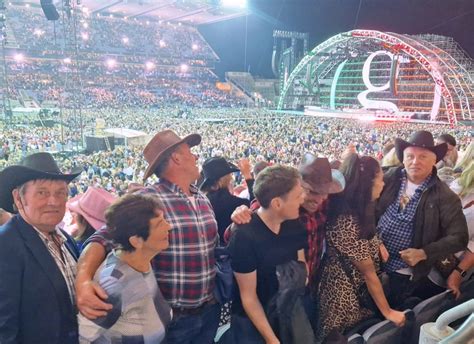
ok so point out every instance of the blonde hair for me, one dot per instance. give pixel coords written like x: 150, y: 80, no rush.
x: 222, y: 183
x: 466, y: 180
x: 467, y: 157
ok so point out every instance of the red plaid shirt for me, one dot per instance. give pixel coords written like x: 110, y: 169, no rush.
x: 185, y: 271
x: 314, y: 224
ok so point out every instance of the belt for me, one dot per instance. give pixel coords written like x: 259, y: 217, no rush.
x: 192, y: 311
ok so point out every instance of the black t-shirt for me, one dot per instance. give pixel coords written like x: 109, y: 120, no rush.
x: 254, y: 246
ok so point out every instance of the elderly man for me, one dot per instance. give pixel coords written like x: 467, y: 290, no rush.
x: 37, y: 260
x: 420, y: 219
x: 185, y: 271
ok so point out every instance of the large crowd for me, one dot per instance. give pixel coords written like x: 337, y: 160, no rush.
x: 231, y: 224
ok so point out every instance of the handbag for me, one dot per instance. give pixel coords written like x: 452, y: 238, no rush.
x: 224, y: 282
x: 446, y: 265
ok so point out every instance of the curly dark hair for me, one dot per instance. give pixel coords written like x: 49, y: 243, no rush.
x: 356, y: 199
x: 130, y: 215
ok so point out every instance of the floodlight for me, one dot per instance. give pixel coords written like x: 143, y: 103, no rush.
x: 234, y: 3
x: 111, y: 63
x: 149, y: 65
x: 19, y: 57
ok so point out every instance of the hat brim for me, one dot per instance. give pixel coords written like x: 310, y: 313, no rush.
x: 439, y: 150
x: 76, y: 208
x: 14, y: 176
x: 209, y: 181
x: 336, y: 185
x: 192, y: 140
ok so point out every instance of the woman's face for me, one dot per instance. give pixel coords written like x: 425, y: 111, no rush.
x: 158, y: 238
x: 378, y: 185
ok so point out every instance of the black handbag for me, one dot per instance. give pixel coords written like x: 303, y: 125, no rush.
x: 224, y: 288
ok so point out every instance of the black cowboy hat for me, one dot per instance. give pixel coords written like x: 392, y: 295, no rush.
x: 421, y: 139
x: 215, y: 168
x: 33, y: 167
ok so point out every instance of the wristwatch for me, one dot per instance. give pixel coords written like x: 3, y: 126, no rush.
x: 461, y: 271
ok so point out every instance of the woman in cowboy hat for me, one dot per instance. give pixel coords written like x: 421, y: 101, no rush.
x: 88, y: 211
x: 216, y: 183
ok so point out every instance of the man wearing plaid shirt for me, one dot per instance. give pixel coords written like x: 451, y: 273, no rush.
x: 420, y: 219
x: 185, y: 272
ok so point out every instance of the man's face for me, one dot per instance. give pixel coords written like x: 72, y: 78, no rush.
x: 418, y: 163
x: 313, y: 201
x: 291, y: 202
x: 188, y: 161
x: 43, y: 203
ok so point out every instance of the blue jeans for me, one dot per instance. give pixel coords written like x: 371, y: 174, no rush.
x: 243, y: 331
x: 197, y: 328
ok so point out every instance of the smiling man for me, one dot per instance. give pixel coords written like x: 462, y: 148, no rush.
x: 420, y: 220
x: 37, y: 260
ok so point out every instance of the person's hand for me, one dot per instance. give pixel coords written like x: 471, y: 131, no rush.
x: 453, y: 282
x: 412, y: 256
x: 398, y: 318
x: 384, y: 255
x: 90, y: 296
x: 241, y: 215
x: 245, y: 168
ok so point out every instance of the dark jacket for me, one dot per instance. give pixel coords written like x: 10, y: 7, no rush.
x: 224, y: 203
x: 34, y: 300
x: 440, y: 225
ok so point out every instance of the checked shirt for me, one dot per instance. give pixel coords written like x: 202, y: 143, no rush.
x: 185, y: 271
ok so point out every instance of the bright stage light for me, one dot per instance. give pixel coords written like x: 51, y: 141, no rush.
x: 111, y: 63
x: 38, y: 32
x: 85, y: 25
x: 125, y: 40
x: 234, y: 3
x: 183, y: 68
x: 67, y: 60
x: 149, y: 65
x: 19, y: 57
x: 195, y: 46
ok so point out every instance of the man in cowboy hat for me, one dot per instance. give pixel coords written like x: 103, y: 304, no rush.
x: 185, y: 272
x: 420, y: 219
x: 37, y: 260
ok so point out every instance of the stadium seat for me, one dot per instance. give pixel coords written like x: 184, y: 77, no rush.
x: 386, y: 332
x: 428, y: 310
x: 356, y: 339
x: 362, y: 326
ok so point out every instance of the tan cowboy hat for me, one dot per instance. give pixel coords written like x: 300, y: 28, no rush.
x: 421, y: 139
x: 33, y: 167
x: 318, y: 176
x: 162, y: 143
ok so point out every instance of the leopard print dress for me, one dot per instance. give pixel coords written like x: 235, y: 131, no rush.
x: 339, y: 306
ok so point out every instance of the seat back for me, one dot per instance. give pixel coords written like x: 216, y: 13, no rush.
x: 386, y: 332
x: 428, y: 310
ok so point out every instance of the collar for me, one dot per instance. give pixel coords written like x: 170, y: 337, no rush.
x: 46, y: 237
x: 172, y: 187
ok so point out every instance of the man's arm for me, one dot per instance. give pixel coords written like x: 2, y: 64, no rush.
x: 89, y: 294
x: 248, y: 294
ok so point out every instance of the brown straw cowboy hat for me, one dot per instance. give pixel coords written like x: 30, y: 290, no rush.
x: 162, y: 143
x: 318, y: 176
x: 421, y: 139
x: 33, y: 167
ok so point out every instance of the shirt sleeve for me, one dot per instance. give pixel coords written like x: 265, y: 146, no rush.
x: 345, y: 238
x: 242, y: 251
x: 102, y: 237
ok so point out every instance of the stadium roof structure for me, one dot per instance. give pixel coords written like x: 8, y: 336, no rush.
x: 190, y: 12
